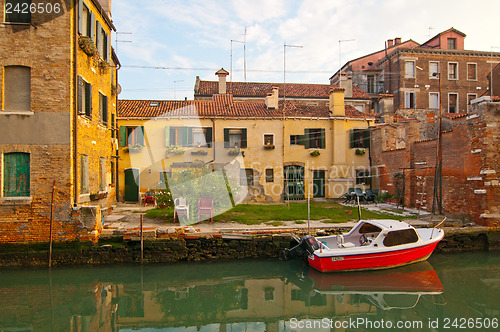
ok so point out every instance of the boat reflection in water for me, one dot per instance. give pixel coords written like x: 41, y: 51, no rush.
x: 387, y: 289
x: 225, y: 296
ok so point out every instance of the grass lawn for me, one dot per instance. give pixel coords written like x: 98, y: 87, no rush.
x: 251, y: 214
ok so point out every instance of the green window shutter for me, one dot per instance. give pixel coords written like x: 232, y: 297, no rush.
x: 167, y: 136
x: 123, y: 136
x: 79, y: 93
x: 185, y: 133
x: 98, y: 37
x: 105, y: 47
x: 301, y: 139
x: 208, y: 137
x: 80, y: 17
x: 226, y: 137
x: 105, y: 110
x: 307, y: 138
x: 322, y: 139
x: 140, y: 135
x: 173, y: 137
x: 88, y: 100
x: 243, y: 138
x: 351, y: 138
x: 366, y: 138
x: 101, y: 110
x: 16, y: 174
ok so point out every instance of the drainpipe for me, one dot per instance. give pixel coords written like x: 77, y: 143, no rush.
x: 75, y: 105
x: 117, y: 133
x: 213, y: 143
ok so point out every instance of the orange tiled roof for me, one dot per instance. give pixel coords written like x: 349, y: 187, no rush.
x: 223, y: 107
x: 256, y: 89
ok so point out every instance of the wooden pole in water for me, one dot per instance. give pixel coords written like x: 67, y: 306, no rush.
x: 359, y: 208
x: 142, y: 240
x: 51, y: 221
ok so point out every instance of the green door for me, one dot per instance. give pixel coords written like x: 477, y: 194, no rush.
x: 294, y: 182
x: 318, y: 183
x: 131, y: 185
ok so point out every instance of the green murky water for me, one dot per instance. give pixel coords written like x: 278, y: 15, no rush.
x: 449, y: 292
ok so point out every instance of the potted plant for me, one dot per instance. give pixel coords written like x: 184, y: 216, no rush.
x: 315, y: 153
x: 87, y: 45
x: 268, y: 145
x: 135, y: 148
x: 163, y: 199
x: 360, y: 152
x: 234, y: 152
x: 174, y: 149
x: 199, y: 152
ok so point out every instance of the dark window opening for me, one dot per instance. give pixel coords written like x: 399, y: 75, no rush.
x: 269, y: 175
x: 360, y: 138
x: 17, y: 11
x: 397, y: 238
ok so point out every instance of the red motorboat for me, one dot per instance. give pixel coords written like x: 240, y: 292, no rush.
x: 371, y: 245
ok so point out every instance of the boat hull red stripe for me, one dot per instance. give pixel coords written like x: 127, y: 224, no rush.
x: 373, y: 260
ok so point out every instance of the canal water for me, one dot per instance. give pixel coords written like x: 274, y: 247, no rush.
x: 448, y: 292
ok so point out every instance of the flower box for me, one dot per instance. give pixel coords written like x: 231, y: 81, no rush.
x: 87, y: 45
x: 234, y: 152
x: 315, y: 153
x: 360, y: 152
x: 269, y: 147
x: 199, y: 153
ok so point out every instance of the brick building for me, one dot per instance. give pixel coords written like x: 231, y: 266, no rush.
x: 58, y: 101
x: 404, y: 161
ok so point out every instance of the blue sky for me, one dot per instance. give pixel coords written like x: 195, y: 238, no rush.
x: 193, y: 37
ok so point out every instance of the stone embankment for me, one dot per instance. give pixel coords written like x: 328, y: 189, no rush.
x: 192, y: 246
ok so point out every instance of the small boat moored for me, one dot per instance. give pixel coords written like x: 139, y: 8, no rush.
x: 369, y: 245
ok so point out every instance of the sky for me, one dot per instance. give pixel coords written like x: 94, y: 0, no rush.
x: 163, y: 45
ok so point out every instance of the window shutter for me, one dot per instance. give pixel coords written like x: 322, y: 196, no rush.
x: 322, y: 139
x: 123, y: 136
x: 92, y: 27
x: 208, y: 137
x: 140, y: 135
x: 301, y: 139
x: 351, y: 138
x: 184, y: 132
x: 243, y: 138
x: 366, y: 138
x: 88, y: 100
x: 79, y: 93
x: 167, y: 136
x: 226, y: 137
x: 105, y: 52
x: 98, y: 37
x: 80, y: 17
x: 101, y: 110
x: 307, y: 138
x: 105, y: 109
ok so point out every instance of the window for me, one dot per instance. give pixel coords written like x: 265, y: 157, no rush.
x: 363, y: 177
x: 409, y: 69
x: 246, y: 177
x: 84, y: 174
x: 16, y: 181
x: 84, y: 98
x: 84, y: 20
x: 294, y: 139
x: 370, y: 84
x: 360, y: 138
x: 202, y: 136
x: 103, y: 109
x: 315, y: 137
x: 433, y: 69
x: 269, y: 294
x: 131, y: 135
x: 268, y: 139
x: 472, y: 72
x: 470, y: 98
x: 235, y: 138
x: 453, y: 103
x: 410, y: 99
x: 452, y: 43
x: 269, y: 175
x: 452, y: 70
x: 103, y: 45
x: 17, y: 88
x: 396, y: 238
x: 102, y: 174
x: 434, y: 100
x: 18, y: 11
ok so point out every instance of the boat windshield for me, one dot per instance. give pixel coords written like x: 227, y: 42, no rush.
x: 404, y: 236
x: 369, y: 228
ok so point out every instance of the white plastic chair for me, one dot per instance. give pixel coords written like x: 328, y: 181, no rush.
x: 181, y: 208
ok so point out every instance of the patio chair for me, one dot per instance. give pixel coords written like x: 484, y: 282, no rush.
x: 370, y: 196
x: 206, y: 207
x: 358, y: 193
x: 181, y: 208
x: 149, y: 197
x: 348, y: 196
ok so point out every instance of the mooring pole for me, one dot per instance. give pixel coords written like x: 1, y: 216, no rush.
x: 308, y: 211
x: 51, y: 221
x: 142, y: 240
x: 359, y: 208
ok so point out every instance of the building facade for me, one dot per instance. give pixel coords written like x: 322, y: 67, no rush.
x: 278, y: 151
x: 58, y: 107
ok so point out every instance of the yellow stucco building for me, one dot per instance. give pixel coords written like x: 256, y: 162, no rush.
x: 276, y: 150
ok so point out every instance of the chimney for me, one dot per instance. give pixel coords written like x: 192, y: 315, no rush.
x: 397, y: 40
x: 346, y: 83
x: 106, y: 6
x: 272, y: 99
x: 222, y: 73
x: 386, y: 104
x: 336, y: 101
x: 390, y: 42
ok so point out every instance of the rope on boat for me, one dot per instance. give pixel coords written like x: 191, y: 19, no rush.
x: 442, y: 221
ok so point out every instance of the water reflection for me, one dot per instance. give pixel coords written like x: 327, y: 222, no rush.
x: 243, y: 296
